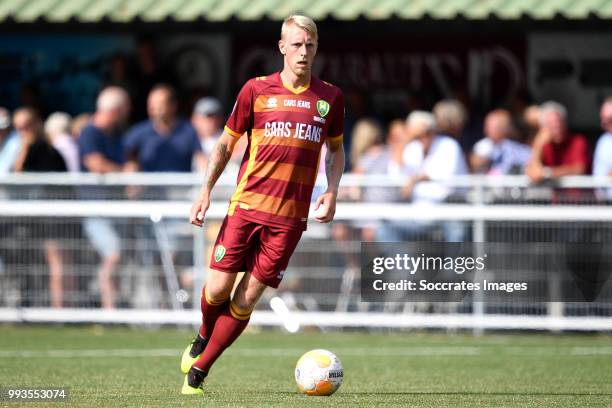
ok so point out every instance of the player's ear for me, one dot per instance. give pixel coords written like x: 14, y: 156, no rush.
x: 281, y: 46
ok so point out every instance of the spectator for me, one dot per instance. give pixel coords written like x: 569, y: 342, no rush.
x: 384, y: 159
x: 365, y: 134
x: 37, y: 155
x: 496, y: 153
x: 57, y: 128
x: 101, y: 151
x: 531, y: 122
x: 164, y: 142
x: 602, y: 162
x: 10, y: 144
x: 207, y: 119
x: 556, y: 152
x: 428, y: 156
x: 451, y: 117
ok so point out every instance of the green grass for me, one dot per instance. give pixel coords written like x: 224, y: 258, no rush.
x: 381, y: 369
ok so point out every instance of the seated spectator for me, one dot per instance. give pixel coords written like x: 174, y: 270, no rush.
x: 531, y: 123
x: 37, y: 155
x: 57, y: 128
x: 165, y: 142
x: 428, y: 156
x: 207, y: 119
x: 10, y: 144
x: 602, y: 161
x: 556, y: 152
x: 496, y: 153
x: 451, y: 117
x: 101, y: 151
x: 384, y: 159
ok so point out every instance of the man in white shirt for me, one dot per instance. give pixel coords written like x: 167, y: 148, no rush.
x: 602, y: 161
x: 428, y: 156
x: 496, y: 154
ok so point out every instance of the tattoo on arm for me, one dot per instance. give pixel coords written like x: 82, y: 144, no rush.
x: 217, y: 162
x: 329, y: 160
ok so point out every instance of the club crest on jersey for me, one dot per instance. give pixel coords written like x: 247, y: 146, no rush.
x: 322, y: 108
x: 219, y: 253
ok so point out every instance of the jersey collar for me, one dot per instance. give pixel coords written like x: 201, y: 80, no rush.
x: 297, y: 90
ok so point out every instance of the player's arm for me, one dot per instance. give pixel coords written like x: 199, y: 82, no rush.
x: 221, y: 154
x: 334, y: 167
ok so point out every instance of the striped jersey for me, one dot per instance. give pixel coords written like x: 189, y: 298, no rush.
x: 286, y: 128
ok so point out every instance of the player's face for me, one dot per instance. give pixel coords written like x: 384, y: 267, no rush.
x: 299, y: 48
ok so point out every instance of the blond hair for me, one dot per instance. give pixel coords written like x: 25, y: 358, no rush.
x: 305, y: 23
x: 366, y: 133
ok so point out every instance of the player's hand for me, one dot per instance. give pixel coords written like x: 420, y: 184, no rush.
x: 325, y: 207
x: 198, y: 210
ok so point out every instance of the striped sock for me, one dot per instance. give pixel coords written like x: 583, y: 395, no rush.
x: 211, y: 310
x: 230, y: 324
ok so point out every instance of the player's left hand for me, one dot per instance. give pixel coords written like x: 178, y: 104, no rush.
x: 325, y: 207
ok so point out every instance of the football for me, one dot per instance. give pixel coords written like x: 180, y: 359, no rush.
x: 319, y: 372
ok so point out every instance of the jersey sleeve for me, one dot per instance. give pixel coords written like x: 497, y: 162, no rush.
x: 336, y: 126
x: 241, y: 118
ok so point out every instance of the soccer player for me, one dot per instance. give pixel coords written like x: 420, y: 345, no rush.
x: 287, y: 117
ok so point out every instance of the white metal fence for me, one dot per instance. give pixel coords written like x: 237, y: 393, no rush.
x: 50, y: 255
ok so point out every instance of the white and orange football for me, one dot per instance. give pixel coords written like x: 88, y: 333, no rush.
x: 319, y: 372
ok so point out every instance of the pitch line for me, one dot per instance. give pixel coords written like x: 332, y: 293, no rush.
x: 292, y: 352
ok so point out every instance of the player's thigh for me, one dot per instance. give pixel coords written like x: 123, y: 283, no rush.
x: 219, y: 284
x: 248, y: 292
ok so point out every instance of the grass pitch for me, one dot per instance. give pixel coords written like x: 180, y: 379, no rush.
x: 118, y: 366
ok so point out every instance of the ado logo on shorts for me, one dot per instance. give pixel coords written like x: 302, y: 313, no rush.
x: 219, y: 253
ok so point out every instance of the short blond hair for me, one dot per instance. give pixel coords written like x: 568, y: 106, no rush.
x: 305, y: 23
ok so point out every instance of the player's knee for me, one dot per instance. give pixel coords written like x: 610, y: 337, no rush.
x: 215, y: 295
x: 217, y: 292
x: 241, y: 309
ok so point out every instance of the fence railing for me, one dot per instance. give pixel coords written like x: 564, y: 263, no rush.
x: 52, y: 254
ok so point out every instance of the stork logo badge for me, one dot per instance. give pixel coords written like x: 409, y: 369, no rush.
x: 219, y: 253
x: 322, y: 108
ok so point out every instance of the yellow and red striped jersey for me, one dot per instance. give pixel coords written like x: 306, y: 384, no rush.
x: 286, y: 128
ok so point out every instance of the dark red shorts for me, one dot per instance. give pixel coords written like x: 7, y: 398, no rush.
x: 247, y: 246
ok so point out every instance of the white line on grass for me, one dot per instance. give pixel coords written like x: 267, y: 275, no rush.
x: 289, y: 352
x: 247, y: 352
